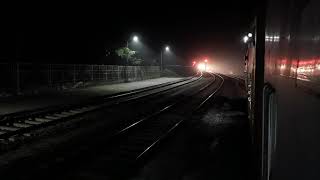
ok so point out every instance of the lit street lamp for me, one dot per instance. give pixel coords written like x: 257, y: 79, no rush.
x: 245, y: 39
x: 135, y: 39
x: 167, y: 49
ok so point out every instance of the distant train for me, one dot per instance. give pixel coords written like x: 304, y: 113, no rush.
x: 283, y: 83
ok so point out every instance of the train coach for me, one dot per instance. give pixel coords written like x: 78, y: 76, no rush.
x: 283, y: 83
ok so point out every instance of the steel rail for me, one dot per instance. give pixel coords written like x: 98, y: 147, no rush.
x: 160, y: 112
x: 182, y: 120
x: 105, y: 97
x: 23, y: 125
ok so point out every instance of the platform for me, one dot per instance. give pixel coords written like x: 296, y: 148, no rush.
x: 22, y: 103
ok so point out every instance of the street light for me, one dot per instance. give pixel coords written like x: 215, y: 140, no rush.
x: 167, y: 49
x: 245, y: 39
x: 135, y: 39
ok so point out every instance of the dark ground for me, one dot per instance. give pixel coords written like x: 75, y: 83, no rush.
x: 212, y: 145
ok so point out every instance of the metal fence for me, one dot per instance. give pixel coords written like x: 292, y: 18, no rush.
x: 23, y: 76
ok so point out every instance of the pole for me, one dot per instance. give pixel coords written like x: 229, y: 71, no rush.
x: 161, y: 61
x: 125, y: 69
x: 128, y: 54
x: 127, y: 60
x: 258, y: 93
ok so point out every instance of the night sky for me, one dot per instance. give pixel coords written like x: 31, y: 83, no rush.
x: 83, y: 34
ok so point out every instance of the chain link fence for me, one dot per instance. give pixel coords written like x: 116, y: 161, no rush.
x: 19, y: 77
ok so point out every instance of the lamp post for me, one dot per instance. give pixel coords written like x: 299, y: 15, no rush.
x: 134, y: 39
x: 166, y: 49
x: 245, y: 39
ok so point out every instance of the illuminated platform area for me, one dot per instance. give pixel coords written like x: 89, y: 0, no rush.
x: 15, y: 104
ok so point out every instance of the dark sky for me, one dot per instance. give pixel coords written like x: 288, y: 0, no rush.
x: 83, y: 34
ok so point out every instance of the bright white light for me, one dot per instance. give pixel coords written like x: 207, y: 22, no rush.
x: 301, y: 70
x: 282, y: 66
x: 135, y: 38
x: 167, y: 48
x: 245, y: 39
x: 249, y: 35
x: 268, y: 38
x: 201, y: 67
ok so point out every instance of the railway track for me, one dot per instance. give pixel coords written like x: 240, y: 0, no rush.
x: 162, y: 121
x: 133, y: 144
x: 128, y: 146
x: 22, y: 123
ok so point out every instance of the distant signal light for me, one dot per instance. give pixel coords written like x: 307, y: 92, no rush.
x: 201, y: 67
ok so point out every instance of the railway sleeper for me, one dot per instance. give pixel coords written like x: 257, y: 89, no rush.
x: 9, y: 128
x: 31, y: 122
x: 21, y: 125
x: 42, y: 119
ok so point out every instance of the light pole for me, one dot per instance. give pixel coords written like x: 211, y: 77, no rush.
x: 135, y: 39
x: 166, y: 49
x: 247, y: 37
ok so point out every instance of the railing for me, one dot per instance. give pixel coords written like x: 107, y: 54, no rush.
x: 18, y: 77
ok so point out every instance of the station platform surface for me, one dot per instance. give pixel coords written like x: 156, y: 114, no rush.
x: 23, y: 103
